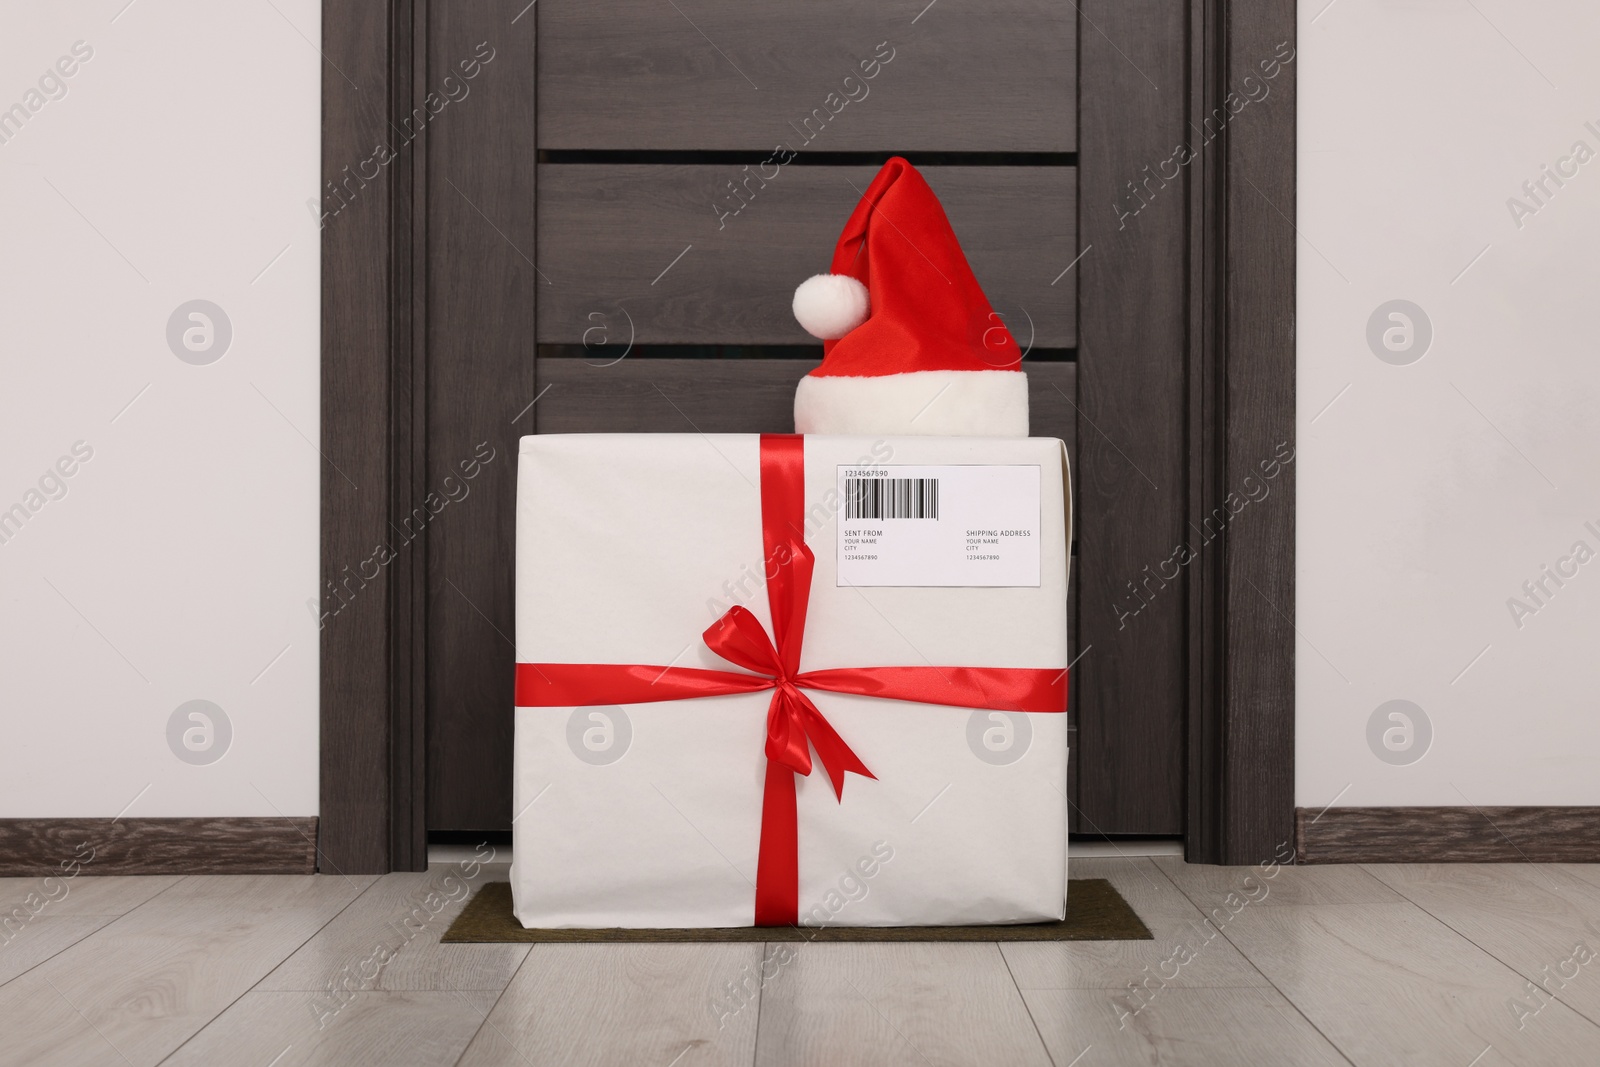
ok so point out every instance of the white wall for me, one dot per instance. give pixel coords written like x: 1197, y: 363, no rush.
x: 1430, y: 492
x: 178, y: 564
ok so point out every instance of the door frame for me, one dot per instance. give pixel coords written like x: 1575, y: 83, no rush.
x: 1239, y: 365
x: 1242, y: 246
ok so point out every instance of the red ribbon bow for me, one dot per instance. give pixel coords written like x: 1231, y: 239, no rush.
x: 794, y: 725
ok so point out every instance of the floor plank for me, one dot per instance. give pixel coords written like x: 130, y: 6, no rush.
x: 43, y: 916
x: 1388, y: 983
x: 1182, y: 937
x: 82, y: 895
x: 482, y: 1000
x: 42, y: 1029
x: 389, y: 939
x: 1276, y: 885
x: 150, y: 979
x: 382, y: 1029
x: 1198, y: 1027
x: 596, y: 1004
x: 1589, y: 872
x: 43, y: 938
x: 914, y: 1004
x: 1542, y: 921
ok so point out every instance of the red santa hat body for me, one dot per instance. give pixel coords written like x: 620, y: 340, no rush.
x: 911, y: 344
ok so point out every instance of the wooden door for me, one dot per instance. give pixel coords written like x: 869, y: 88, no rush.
x: 590, y: 217
x: 616, y: 229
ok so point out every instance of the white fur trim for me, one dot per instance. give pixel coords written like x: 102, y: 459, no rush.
x: 928, y: 403
x: 828, y: 306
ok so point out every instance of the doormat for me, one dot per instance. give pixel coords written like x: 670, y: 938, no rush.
x: 1095, y: 912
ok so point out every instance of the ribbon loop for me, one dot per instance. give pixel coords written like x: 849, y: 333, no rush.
x: 738, y: 638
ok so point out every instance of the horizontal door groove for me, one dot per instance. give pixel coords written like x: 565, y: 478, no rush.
x: 605, y: 355
x: 600, y: 157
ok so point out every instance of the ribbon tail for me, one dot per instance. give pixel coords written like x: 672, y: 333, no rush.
x: 836, y: 756
x: 778, y: 863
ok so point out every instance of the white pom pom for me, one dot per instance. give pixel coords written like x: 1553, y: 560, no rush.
x: 829, y: 306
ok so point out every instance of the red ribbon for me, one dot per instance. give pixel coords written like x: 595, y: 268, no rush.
x: 794, y: 725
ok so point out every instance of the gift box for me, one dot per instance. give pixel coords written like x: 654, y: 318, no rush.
x: 767, y: 679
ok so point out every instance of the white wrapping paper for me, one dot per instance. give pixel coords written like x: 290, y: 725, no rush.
x: 649, y: 815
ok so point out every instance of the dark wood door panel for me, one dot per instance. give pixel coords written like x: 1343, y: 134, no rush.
x: 644, y: 245
x: 1131, y: 682
x: 479, y: 376
x: 729, y: 74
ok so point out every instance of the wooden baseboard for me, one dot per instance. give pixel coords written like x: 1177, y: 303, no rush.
x: 1448, y: 835
x: 159, y: 846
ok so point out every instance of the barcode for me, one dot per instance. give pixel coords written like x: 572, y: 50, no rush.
x: 891, y: 498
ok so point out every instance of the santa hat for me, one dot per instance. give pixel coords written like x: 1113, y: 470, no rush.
x: 911, y: 345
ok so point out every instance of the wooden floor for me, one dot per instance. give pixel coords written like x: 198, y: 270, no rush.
x: 1314, y: 965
